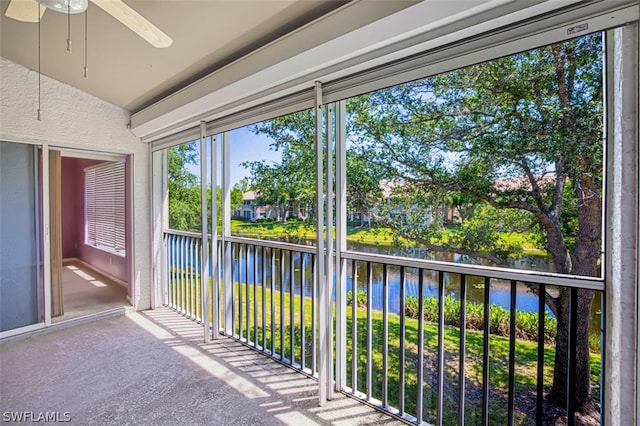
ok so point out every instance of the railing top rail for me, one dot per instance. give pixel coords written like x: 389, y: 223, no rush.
x: 532, y: 277
x: 183, y: 233
x: 272, y: 244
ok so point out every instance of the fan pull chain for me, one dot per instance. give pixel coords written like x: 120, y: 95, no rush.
x: 68, y: 26
x: 39, y: 117
x: 86, y: 38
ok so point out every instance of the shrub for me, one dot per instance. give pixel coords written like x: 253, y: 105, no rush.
x: 499, y: 318
x: 265, y: 219
x: 361, y: 298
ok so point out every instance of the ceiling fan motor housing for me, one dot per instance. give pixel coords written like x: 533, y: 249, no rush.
x: 66, y: 6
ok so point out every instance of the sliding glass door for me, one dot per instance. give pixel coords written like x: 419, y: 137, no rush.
x: 20, y: 278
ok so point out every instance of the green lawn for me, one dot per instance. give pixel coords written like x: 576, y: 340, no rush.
x: 377, y: 236
x: 292, y: 319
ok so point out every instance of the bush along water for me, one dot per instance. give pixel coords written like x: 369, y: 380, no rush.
x: 499, y: 317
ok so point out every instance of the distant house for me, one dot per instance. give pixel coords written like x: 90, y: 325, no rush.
x: 389, y: 190
x: 253, y: 211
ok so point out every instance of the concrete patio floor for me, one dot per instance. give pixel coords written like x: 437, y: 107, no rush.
x: 152, y: 368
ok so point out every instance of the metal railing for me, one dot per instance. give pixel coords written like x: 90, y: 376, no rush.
x: 183, y: 251
x: 426, y: 341
x: 274, y: 300
x: 444, y: 343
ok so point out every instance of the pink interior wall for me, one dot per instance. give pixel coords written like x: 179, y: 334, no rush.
x: 70, y: 208
x: 73, y: 227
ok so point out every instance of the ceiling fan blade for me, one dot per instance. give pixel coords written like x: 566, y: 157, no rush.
x: 135, y: 22
x: 24, y: 10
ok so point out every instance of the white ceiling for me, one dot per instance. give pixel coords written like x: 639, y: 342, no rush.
x: 229, y: 55
x: 207, y: 34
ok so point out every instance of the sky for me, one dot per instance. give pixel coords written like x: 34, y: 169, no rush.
x: 245, y: 146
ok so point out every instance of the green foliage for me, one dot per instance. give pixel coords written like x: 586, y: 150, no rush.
x: 265, y: 219
x: 291, y: 182
x: 499, y: 318
x: 483, y: 230
x: 474, y: 135
x: 361, y: 298
x: 184, y: 190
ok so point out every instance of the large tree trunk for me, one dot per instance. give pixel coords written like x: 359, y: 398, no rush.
x: 584, y: 263
x: 582, y: 376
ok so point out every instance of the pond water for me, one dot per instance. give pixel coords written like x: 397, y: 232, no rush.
x: 499, y: 293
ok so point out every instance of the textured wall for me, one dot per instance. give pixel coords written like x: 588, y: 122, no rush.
x: 74, y: 119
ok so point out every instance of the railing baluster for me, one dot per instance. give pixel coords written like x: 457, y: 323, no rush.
x: 172, y: 274
x: 282, y: 325
x: 314, y: 291
x: 233, y: 248
x: 354, y: 326
x: 485, y: 352
x: 240, y: 305
x: 178, y: 263
x: 179, y: 274
x: 463, y: 349
x: 303, y: 340
x: 263, y: 252
x: 188, y: 283
x: 273, y: 301
x: 196, y: 295
x: 420, y: 381
x: 385, y: 337
x: 512, y: 354
x: 183, y: 274
x: 234, y: 290
x: 540, y: 367
x: 196, y: 302
x: 170, y: 269
x: 193, y: 263
x: 440, y: 392
x: 168, y: 266
x: 369, y: 330
x: 188, y: 269
x: 165, y: 270
x: 292, y: 322
x: 186, y: 290
x: 571, y: 369
x: 402, y: 314
x: 255, y: 297
x: 247, y: 299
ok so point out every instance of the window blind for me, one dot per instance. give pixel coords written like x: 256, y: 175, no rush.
x: 105, y: 207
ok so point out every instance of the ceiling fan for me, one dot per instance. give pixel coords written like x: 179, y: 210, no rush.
x: 30, y: 11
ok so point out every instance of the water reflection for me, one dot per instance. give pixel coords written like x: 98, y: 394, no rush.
x: 249, y: 268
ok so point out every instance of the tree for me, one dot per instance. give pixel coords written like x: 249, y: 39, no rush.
x: 521, y: 133
x: 363, y: 184
x: 184, y: 190
x: 518, y: 138
x: 291, y: 182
